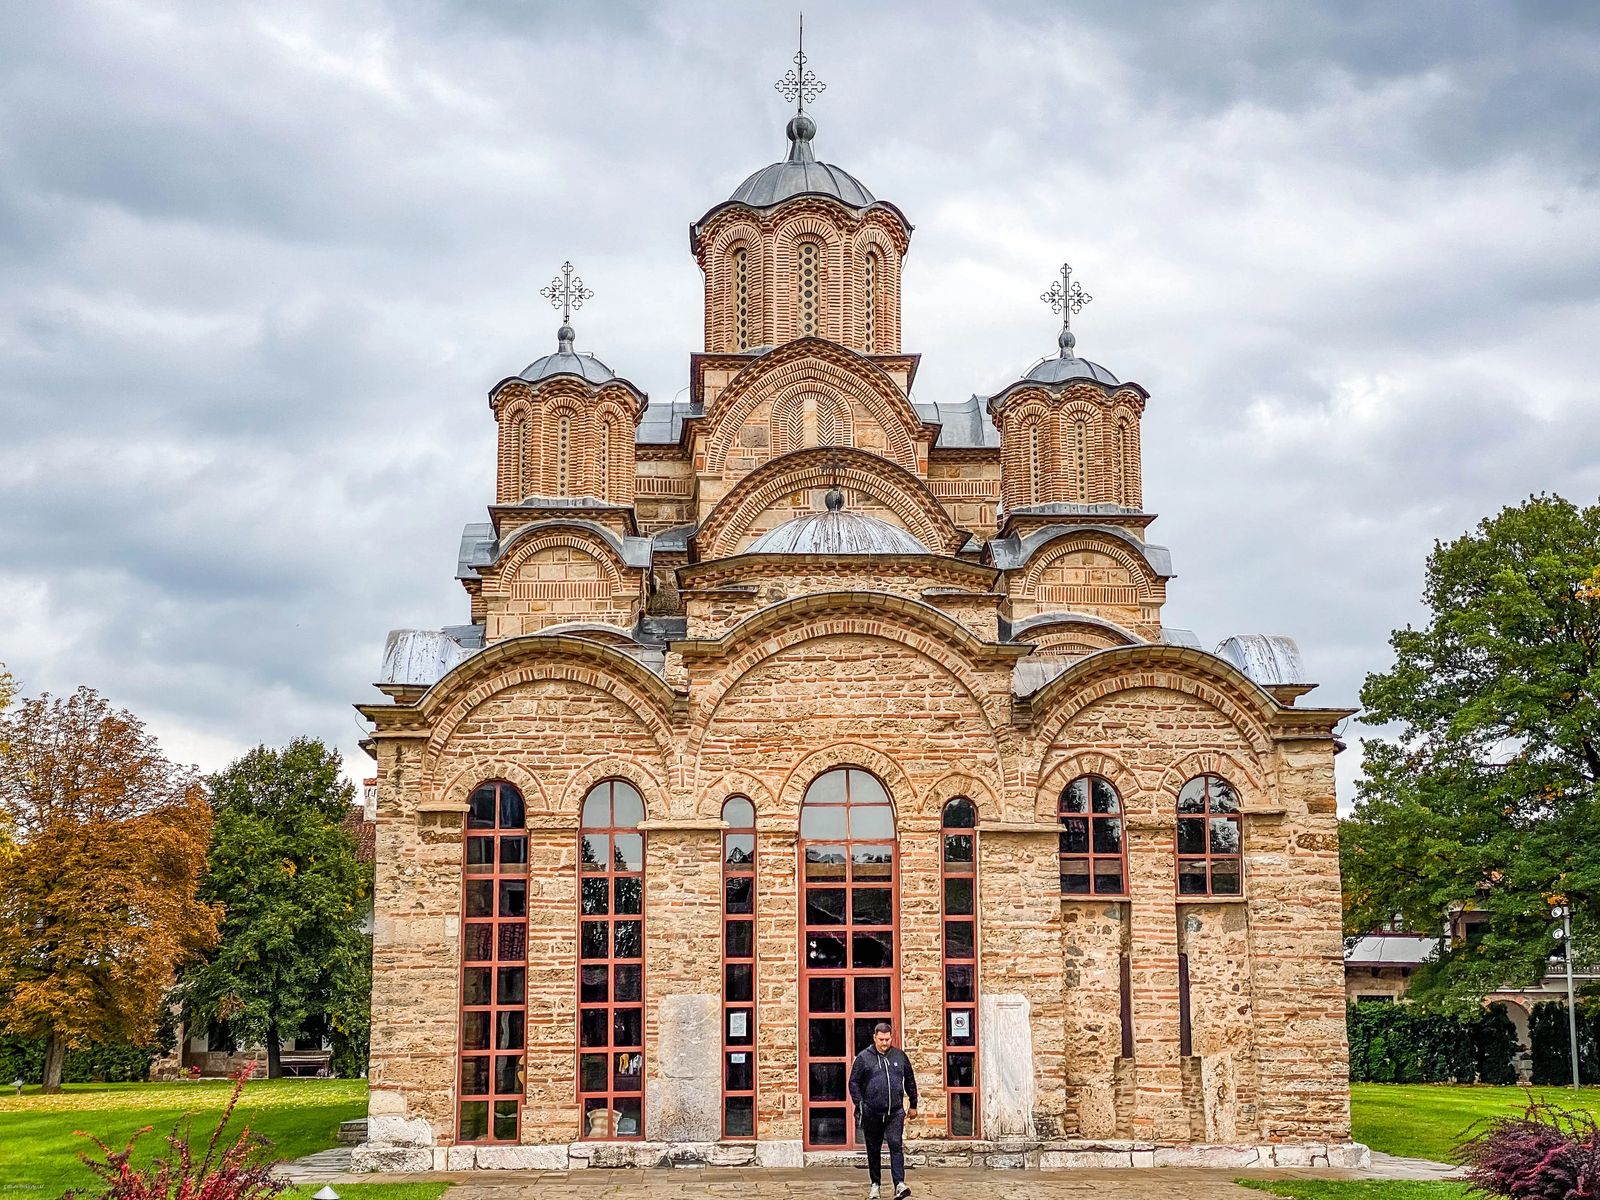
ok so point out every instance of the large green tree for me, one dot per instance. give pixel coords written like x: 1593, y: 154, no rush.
x: 292, y: 955
x: 1486, y: 796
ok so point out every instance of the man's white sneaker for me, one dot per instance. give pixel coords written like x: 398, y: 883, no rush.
x: 901, y: 1191
x: 872, y: 1192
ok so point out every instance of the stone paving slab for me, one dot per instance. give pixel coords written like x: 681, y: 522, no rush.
x: 834, y: 1183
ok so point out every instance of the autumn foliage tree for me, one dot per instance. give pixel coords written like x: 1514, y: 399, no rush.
x: 104, y: 846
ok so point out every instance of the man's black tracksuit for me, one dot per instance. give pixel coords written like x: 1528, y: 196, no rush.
x: 877, y: 1083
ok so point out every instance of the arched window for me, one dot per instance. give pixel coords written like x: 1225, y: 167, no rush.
x: 611, y: 962
x: 739, y: 969
x: 741, y: 299
x: 563, y: 453
x: 603, y: 466
x: 494, y: 965
x: 1093, y: 860
x: 1210, y: 848
x: 849, y: 976
x: 959, y: 840
x: 808, y: 284
x: 869, y: 282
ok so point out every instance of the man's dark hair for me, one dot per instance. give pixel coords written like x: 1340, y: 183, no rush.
x: 883, y: 1027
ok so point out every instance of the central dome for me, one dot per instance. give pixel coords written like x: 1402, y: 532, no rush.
x: 801, y: 175
x: 836, y: 532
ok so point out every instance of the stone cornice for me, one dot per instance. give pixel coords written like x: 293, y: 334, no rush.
x: 709, y: 575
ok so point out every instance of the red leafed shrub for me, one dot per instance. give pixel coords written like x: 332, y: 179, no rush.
x: 239, y: 1171
x: 1546, y: 1153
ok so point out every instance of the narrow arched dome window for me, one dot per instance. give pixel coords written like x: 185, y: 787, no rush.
x: 519, y: 459
x: 808, y: 284
x: 1119, y: 465
x: 1035, y: 465
x: 1080, y: 459
x: 563, y: 453
x: 603, y: 466
x: 869, y: 281
x: 741, y: 299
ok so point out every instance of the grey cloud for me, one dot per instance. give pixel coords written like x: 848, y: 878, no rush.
x: 258, y: 268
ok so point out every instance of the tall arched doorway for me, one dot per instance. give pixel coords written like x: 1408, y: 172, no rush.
x: 848, y: 940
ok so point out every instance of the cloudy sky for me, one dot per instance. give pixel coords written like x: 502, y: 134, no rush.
x: 259, y: 264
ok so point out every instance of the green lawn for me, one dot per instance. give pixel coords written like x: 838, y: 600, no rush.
x: 1428, y: 1120
x: 1358, y: 1189
x: 38, y: 1150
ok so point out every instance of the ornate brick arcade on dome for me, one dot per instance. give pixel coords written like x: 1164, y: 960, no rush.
x: 798, y: 704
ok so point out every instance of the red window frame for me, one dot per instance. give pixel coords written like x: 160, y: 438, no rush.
x: 1093, y: 848
x: 1208, y: 817
x: 958, y: 844
x: 491, y: 1068
x: 610, y: 974
x: 739, y: 968
x: 842, y: 875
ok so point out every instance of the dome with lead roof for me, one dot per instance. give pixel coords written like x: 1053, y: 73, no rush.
x: 567, y: 361
x: 801, y: 175
x: 836, y: 532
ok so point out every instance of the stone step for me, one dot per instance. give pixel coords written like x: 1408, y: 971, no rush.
x: 353, y: 1133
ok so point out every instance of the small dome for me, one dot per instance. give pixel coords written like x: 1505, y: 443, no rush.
x: 1063, y: 368
x: 836, y: 532
x: 567, y: 361
x: 801, y: 175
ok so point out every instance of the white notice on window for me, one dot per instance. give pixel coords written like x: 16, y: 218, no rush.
x: 737, y: 1056
x: 738, y: 1024
x: 960, y: 1025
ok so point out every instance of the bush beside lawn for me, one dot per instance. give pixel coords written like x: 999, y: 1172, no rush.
x: 38, y: 1149
x: 1430, y: 1120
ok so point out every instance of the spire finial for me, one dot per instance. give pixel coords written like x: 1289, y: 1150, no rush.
x: 834, y: 500
x: 1066, y: 298
x: 566, y: 292
x: 800, y: 83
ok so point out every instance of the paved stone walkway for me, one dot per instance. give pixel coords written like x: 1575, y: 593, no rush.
x: 816, y: 1183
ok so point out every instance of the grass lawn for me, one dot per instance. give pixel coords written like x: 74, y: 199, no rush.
x: 38, y: 1151
x: 1358, y: 1189
x: 1428, y: 1120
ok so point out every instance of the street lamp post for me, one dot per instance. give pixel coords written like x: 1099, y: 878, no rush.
x: 1564, y: 936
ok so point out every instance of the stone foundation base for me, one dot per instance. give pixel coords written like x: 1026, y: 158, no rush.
x: 1064, y: 1155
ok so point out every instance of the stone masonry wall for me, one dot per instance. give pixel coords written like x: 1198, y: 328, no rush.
x: 764, y: 718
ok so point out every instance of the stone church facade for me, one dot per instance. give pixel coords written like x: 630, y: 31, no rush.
x: 800, y: 703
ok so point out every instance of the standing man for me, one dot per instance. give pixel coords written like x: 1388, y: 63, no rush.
x: 878, y: 1078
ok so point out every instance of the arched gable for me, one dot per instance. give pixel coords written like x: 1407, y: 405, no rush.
x: 896, y: 489
x: 534, y: 657
x: 1036, y: 580
x: 814, y: 364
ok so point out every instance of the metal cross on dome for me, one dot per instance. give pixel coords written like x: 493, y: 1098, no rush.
x: 1066, y: 298
x: 566, y: 292
x: 800, y: 83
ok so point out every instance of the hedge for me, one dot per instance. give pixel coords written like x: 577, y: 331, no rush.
x: 1398, y: 1043
x: 1552, y: 1043
x: 23, y: 1058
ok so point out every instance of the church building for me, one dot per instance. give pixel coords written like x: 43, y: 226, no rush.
x: 800, y: 703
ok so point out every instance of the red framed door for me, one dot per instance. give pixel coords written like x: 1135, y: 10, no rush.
x: 849, y: 942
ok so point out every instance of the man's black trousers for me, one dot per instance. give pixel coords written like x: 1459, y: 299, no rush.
x: 877, y: 1127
